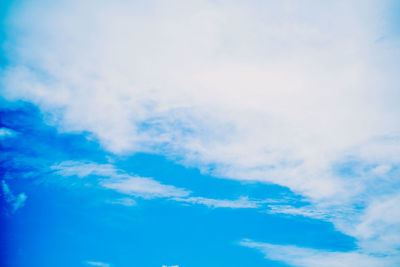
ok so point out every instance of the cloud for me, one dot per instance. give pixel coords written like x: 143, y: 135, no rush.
x: 97, y: 263
x: 280, y: 105
x: 298, y: 256
x: 118, y: 180
x: 144, y: 187
x: 313, y: 211
x: 126, y: 201
x: 242, y: 202
x: 5, y: 133
x: 16, y: 201
x: 83, y: 169
x: 274, y: 92
x: 378, y: 227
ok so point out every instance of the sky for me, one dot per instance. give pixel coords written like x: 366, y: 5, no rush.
x: 199, y: 133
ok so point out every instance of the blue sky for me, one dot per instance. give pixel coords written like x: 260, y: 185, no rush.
x: 74, y: 217
x: 199, y: 133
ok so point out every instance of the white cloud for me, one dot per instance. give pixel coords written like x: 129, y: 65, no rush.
x: 278, y: 105
x: 112, y: 178
x: 5, y: 132
x: 83, y: 169
x: 307, y: 211
x: 118, y: 180
x: 242, y: 202
x: 97, y: 263
x: 16, y: 201
x: 126, y: 201
x: 144, y: 187
x: 19, y: 201
x: 378, y: 227
x: 276, y: 92
x: 298, y: 256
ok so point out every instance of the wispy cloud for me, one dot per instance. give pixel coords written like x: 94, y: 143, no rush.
x: 83, y: 169
x: 242, y: 202
x: 144, y: 187
x: 97, y: 263
x: 112, y: 178
x: 126, y: 201
x: 16, y: 201
x: 5, y: 133
x: 310, y: 211
x: 307, y: 257
x: 118, y: 180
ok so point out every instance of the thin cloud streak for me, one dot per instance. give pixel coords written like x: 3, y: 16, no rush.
x: 242, y: 202
x: 307, y: 257
x: 118, y: 180
x: 97, y: 263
